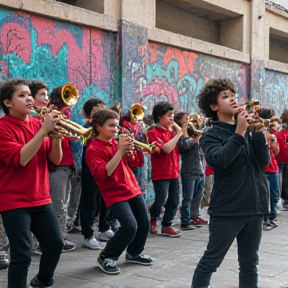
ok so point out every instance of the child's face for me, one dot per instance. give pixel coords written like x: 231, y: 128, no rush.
x: 21, y: 102
x: 41, y: 98
x: 226, y: 103
x: 108, y: 130
x: 167, y: 119
x: 184, y: 119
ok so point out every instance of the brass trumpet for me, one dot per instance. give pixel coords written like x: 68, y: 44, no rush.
x: 148, y: 147
x: 66, y: 128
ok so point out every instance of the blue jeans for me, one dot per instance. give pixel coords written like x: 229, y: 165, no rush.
x: 273, y: 179
x: 223, y: 230
x: 192, y: 187
x: 166, y: 189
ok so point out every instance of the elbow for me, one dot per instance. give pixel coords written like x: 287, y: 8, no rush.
x: 22, y: 163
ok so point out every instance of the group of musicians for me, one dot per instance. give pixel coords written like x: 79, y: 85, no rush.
x: 242, y: 156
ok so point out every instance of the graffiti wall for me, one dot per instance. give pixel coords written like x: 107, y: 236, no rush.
x: 275, y: 91
x: 56, y: 52
x: 178, y: 75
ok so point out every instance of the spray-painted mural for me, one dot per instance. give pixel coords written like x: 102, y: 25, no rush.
x: 178, y: 76
x: 37, y: 48
x: 275, y: 91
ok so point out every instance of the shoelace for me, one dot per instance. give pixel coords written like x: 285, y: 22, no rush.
x: 111, y: 263
x: 144, y: 256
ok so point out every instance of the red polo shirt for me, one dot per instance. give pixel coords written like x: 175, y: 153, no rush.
x: 164, y: 165
x: 22, y: 186
x: 272, y: 166
x: 122, y: 184
x: 282, y: 139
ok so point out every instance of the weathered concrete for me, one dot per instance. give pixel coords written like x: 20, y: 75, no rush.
x: 175, y: 261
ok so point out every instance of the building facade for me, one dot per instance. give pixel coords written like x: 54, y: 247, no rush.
x: 128, y: 51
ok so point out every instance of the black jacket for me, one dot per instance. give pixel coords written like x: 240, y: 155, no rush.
x: 191, y: 157
x: 240, y: 184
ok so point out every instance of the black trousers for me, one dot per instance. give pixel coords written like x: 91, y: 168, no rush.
x: 19, y: 224
x: 247, y: 230
x: 91, y: 201
x: 132, y: 215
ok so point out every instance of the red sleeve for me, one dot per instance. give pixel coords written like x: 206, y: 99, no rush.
x: 153, y: 136
x: 9, y: 148
x: 96, y: 161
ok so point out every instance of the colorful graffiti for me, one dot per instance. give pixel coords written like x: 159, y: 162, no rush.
x: 178, y: 75
x: 275, y: 91
x: 56, y: 52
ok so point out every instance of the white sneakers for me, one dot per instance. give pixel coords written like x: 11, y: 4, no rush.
x: 105, y: 236
x: 92, y: 243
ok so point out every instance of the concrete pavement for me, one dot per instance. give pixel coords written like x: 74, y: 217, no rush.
x: 175, y: 261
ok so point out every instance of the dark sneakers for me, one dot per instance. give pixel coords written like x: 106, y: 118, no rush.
x: 140, y: 259
x: 38, y: 284
x: 4, y: 262
x: 108, y: 265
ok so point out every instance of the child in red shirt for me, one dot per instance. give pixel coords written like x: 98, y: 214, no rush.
x: 165, y: 168
x: 120, y: 191
x: 282, y: 157
x: 25, y: 204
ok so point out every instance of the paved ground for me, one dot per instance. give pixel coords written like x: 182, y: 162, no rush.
x: 175, y: 261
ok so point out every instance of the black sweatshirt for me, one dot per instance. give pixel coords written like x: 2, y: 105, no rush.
x: 240, y: 184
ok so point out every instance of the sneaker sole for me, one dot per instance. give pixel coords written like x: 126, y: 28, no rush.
x: 91, y: 248
x: 187, y: 228
x: 140, y: 263
x: 69, y: 250
x: 107, y: 272
x: 169, y: 235
x: 37, y: 252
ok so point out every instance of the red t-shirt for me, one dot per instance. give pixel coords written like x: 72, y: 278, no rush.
x: 122, y: 184
x: 273, y: 166
x: 67, y: 158
x: 209, y: 170
x: 282, y: 139
x: 22, y: 186
x: 164, y: 165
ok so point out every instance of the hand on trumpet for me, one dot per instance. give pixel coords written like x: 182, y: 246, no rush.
x: 242, y: 123
x: 125, y: 144
x: 49, y: 122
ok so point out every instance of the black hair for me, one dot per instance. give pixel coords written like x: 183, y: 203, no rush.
x: 160, y: 109
x: 178, y: 116
x: 266, y: 113
x: 101, y: 116
x: 209, y: 95
x: 91, y: 103
x: 36, y: 85
x: 7, y: 89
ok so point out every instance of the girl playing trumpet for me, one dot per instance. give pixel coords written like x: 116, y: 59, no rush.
x: 119, y: 188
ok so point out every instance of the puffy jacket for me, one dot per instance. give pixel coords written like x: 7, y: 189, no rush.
x: 240, y: 184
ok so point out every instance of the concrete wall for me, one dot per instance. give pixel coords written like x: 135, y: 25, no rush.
x: 186, y: 23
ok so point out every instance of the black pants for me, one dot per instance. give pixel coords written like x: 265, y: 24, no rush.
x: 132, y: 215
x: 91, y: 201
x: 166, y: 190
x: 19, y: 224
x: 223, y: 230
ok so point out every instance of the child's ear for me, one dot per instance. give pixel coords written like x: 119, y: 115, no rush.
x: 214, y: 107
x: 7, y: 103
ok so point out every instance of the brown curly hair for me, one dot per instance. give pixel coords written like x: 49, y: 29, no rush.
x: 8, y: 88
x: 284, y: 117
x: 101, y: 116
x: 209, y: 95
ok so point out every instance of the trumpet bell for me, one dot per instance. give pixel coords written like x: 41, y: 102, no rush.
x: 136, y: 112
x: 69, y: 94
